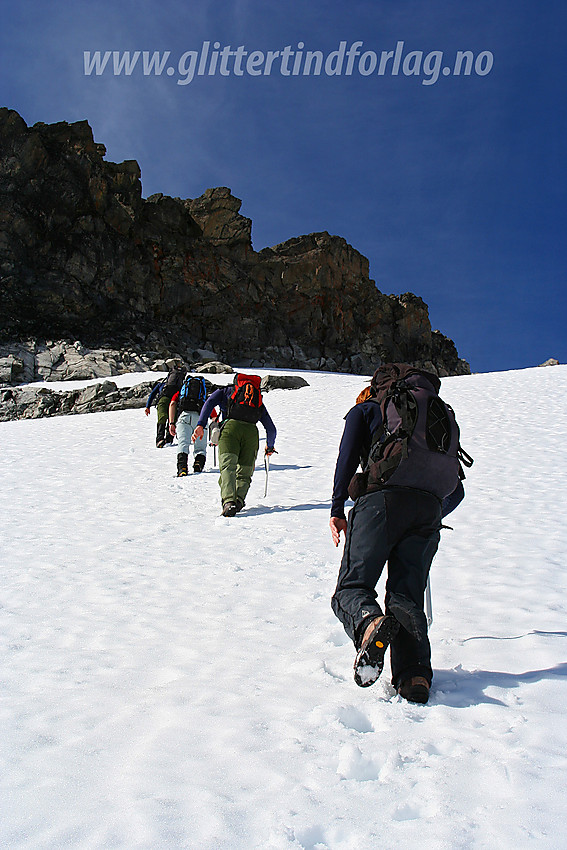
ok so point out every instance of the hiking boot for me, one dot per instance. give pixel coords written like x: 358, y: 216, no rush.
x: 369, y: 660
x: 415, y: 689
x: 182, y: 464
x: 160, y: 444
x: 239, y: 505
x: 229, y: 509
x: 199, y: 463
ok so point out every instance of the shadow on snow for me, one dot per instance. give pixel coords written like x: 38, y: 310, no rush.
x: 273, y: 509
x: 463, y: 688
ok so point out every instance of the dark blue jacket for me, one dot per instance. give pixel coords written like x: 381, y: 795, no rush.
x: 361, y: 422
x: 155, y: 390
x: 220, y: 399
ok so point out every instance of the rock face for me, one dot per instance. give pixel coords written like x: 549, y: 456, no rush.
x: 84, y: 256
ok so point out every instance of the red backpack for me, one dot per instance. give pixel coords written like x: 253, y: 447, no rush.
x: 245, y: 402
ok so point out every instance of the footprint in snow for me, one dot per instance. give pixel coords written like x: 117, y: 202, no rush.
x: 354, y: 765
x: 338, y: 638
x: 407, y: 812
x: 352, y: 718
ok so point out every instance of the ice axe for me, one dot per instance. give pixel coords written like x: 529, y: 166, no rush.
x: 428, y: 607
x: 267, y: 468
x: 214, y: 435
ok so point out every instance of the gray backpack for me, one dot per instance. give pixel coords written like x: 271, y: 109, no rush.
x: 417, y: 444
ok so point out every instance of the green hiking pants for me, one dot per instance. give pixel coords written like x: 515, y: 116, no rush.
x: 163, y: 410
x: 238, y: 447
x: 162, y: 433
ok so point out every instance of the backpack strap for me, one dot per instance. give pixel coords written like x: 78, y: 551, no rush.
x: 374, y: 440
x: 402, y: 399
x: 464, y: 457
x: 202, y: 387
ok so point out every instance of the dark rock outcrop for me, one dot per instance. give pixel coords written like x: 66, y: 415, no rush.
x: 282, y: 382
x: 84, y: 256
x: 39, y: 402
x: 32, y: 402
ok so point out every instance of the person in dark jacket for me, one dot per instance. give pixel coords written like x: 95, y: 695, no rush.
x: 238, y: 447
x: 162, y: 392
x: 162, y: 433
x: 397, y: 525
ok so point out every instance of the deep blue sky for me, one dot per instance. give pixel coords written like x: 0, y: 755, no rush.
x: 454, y: 191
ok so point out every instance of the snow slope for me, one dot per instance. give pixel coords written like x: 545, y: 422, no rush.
x: 175, y: 679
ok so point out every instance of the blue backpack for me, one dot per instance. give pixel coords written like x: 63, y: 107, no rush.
x: 192, y: 394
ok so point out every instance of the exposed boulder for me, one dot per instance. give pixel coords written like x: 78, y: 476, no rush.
x: 204, y: 356
x: 282, y: 382
x: 214, y: 367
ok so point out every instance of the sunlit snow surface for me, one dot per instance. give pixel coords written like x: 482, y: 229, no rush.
x: 174, y: 679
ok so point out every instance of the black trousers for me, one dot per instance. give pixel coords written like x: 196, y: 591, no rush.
x: 400, y: 527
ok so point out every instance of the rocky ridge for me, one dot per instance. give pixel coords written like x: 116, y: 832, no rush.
x: 84, y: 257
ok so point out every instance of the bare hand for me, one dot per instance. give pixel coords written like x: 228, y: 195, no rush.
x: 172, y: 429
x: 197, y: 433
x: 337, y: 525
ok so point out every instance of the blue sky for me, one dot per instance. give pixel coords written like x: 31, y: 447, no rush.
x: 454, y: 190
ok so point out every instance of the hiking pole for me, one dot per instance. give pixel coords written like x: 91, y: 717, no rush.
x: 267, y: 468
x: 428, y: 608
x: 215, y: 453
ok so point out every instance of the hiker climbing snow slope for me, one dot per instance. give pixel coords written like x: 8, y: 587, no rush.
x: 242, y: 407
x: 407, y: 441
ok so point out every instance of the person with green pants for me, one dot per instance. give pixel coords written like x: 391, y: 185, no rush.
x: 163, y: 392
x: 242, y: 407
x: 162, y: 405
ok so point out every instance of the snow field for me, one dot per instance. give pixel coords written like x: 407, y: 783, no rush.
x: 175, y: 679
